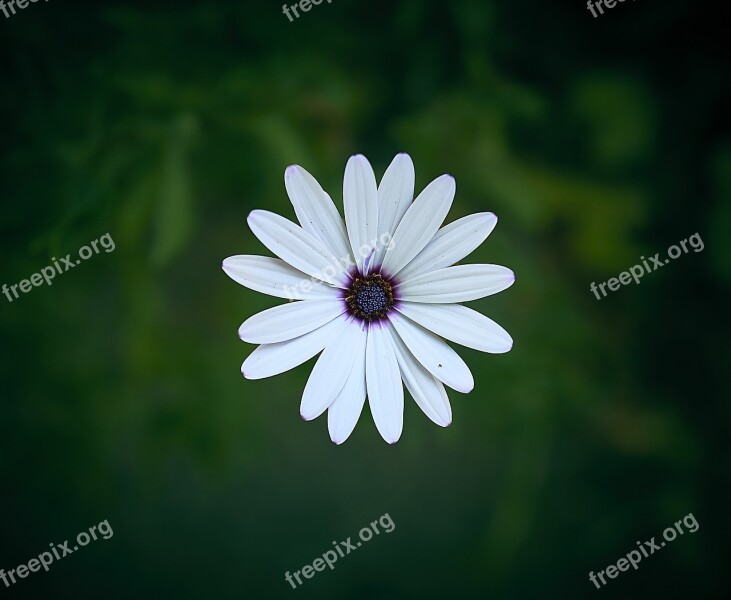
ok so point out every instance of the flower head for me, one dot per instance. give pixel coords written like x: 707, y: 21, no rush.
x: 375, y: 296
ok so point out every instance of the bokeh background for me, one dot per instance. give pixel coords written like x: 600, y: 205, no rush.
x: 595, y: 141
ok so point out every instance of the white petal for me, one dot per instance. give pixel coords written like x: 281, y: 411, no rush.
x: 360, y: 198
x: 434, y: 354
x: 420, y: 223
x: 295, y: 246
x: 427, y: 391
x: 345, y: 410
x: 459, y: 324
x: 395, y: 193
x: 456, y: 284
x: 315, y: 210
x: 451, y: 244
x: 289, y: 321
x: 385, y: 392
x: 275, y: 277
x: 272, y: 359
x: 332, y: 369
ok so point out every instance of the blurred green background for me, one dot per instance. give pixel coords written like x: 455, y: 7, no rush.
x: 595, y: 141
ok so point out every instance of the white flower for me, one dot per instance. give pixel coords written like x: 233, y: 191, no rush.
x: 380, y: 296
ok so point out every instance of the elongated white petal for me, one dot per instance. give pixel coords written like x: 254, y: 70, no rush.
x: 420, y: 223
x: 427, y: 391
x: 315, y: 210
x: 345, y: 410
x: 451, y: 244
x: 275, y: 277
x: 360, y: 198
x: 295, y: 246
x: 456, y: 284
x: 332, y: 369
x: 383, y: 380
x: 289, y: 321
x: 395, y: 193
x: 459, y: 324
x: 434, y: 354
x: 272, y: 359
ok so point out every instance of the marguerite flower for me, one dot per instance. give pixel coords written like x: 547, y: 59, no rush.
x: 377, y: 295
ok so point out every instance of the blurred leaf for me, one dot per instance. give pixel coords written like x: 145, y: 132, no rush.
x: 174, y: 214
x: 719, y: 221
x: 619, y: 117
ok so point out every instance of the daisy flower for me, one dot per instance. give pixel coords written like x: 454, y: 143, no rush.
x: 377, y: 295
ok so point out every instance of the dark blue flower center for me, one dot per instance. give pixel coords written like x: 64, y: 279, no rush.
x: 370, y: 297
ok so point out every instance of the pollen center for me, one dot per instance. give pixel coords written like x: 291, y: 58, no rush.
x: 370, y: 297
